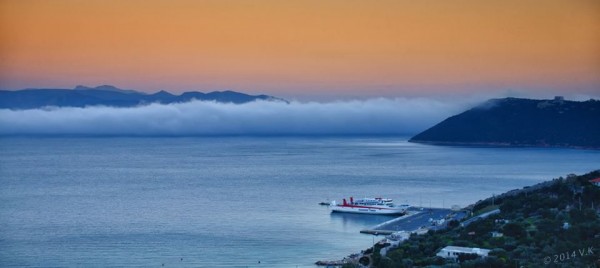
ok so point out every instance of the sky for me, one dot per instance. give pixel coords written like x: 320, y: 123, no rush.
x: 309, y: 49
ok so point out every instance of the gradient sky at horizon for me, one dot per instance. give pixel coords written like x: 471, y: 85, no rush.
x: 309, y: 48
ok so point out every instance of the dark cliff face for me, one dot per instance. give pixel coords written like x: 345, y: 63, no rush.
x: 521, y: 122
x: 111, y: 96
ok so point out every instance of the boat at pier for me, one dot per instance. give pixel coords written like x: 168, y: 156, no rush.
x: 375, y: 205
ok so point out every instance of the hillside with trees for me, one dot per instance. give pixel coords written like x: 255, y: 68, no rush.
x: 521, y: 122
x: 552, y: 224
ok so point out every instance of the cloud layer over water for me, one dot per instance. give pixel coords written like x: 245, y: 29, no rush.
x: 374, y: 116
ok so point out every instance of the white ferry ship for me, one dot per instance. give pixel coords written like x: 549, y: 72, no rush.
x: 376, y: 205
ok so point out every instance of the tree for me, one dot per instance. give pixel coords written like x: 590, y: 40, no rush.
x: 515, y: 230
x: 396, y: 254
x: 386, y: 263
x: 453, y: 224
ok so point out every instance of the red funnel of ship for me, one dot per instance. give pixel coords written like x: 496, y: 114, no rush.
x: 345, y: 203
x: 351, y: 200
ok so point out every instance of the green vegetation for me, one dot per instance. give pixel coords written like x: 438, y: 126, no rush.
x: 532, y: 221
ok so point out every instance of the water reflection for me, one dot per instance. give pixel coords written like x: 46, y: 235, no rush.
x: 358, y: 221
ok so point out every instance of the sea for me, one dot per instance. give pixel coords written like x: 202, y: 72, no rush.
x: 234, y: 201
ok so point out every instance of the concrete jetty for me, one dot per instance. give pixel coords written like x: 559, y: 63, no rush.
x: 416, y: 218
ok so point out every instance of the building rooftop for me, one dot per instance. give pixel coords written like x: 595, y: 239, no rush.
x: 477, y: 251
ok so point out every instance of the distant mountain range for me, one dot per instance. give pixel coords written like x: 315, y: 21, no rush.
x: 107, y: 95
x: 521, y: 122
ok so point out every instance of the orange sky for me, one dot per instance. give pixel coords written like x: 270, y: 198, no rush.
x: 288, y: 48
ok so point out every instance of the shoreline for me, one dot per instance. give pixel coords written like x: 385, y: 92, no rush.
x: 419, y: 220
x: 394, y: 239
x: 502, y: 145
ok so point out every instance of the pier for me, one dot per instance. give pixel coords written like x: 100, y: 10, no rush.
x: 417, y: 219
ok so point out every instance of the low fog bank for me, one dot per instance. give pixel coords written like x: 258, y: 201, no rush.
x: 368, y: 117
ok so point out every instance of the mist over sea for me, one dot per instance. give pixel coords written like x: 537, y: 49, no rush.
x: 233, y: 201
x: 200, y: 118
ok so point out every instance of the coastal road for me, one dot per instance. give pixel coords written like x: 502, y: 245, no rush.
x: 482, y: 216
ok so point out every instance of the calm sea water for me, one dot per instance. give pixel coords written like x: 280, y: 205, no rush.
x: 233, y: 201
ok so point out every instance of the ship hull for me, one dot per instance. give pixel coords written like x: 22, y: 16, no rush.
x: 369, y: 210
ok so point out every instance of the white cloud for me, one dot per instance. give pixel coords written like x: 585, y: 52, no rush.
x: 373, y: 116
